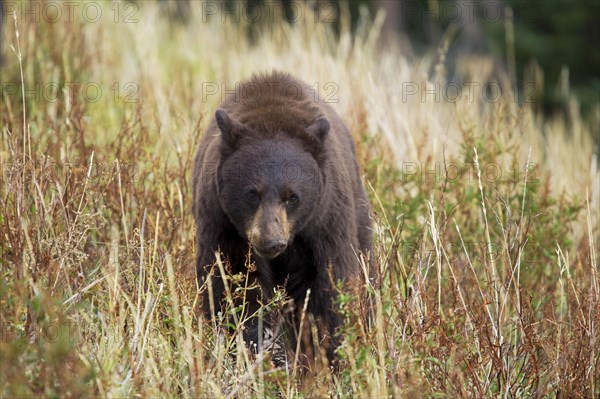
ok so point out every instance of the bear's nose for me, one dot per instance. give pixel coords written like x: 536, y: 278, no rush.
x: 276, y: 246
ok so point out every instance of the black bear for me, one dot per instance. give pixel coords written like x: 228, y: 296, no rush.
x: 277, y: 186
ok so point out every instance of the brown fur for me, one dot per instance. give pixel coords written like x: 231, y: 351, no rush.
x: 277, y: 165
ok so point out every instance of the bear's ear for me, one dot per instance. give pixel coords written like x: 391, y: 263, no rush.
x: 318, y: 130
x: 230, y: 129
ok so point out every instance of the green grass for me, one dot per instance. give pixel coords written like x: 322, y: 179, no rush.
x: 489, y: 270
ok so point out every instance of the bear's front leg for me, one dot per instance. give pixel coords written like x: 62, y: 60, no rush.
x: 333, y: 265
x: 213, y: 238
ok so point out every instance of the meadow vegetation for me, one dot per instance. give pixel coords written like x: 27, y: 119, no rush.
x: 485, y: 214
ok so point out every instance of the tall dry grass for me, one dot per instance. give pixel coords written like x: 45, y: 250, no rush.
x: 485, y: 214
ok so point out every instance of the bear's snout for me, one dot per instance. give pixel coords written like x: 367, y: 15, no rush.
x: 268, y: 249
x: 269, y: 231
x: 275, y: 247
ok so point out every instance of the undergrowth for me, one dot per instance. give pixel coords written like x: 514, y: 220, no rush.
x: 485, y: 220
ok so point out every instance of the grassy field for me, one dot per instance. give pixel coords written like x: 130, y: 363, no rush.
x: 485, y: 212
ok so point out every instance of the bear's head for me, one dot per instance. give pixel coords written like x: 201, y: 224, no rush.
x: 269, y: 186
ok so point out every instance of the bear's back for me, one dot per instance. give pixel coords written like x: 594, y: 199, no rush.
x: 274, y: 102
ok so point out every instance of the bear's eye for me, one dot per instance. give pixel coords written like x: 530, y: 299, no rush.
x: 293, y: 199
x: 252, y: 194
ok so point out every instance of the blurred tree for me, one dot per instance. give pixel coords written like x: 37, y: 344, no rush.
x: 556, y: 34
x: 561, y: 36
